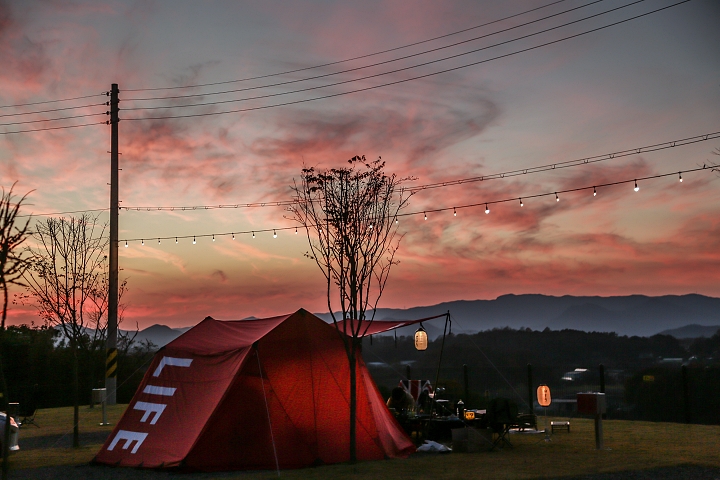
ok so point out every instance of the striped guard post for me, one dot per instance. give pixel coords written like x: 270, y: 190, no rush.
x: 111, y: 363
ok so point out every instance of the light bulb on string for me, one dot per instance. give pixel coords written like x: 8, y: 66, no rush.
x: 142, y: 242
x: 295, y: 230
x: 594, y: 192
x: 425, y: 215
x: 557, y: 199
x: 521, y: 203
x: 454, y: 212
x: 176, y: 241
x: 213, y: 237
x: 396, y: 221
x: 158, y: 241
x: 487, y: 209
x: 680, y: 175
x: 233, y: 235
x: 274, y: 234
x: 636, y: 186
x: 126, y: 245
x: 194, y: 241
x: 253, y: 234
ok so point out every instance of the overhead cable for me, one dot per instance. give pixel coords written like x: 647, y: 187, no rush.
x: 53, y: 128
x: 324, y: 75
x: 53, y: 110
x: 52, y: 101
x: 396, y: 82
x: 287, y: 72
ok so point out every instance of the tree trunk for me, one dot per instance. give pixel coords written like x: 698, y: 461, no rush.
x: 3, y: 284
x: 6, y: 432
x: 76, y: 398
x: 353, y: 403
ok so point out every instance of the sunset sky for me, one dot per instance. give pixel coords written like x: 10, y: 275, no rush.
x: 648, y: 81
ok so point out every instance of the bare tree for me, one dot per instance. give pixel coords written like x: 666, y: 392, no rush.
x: 350, y: 216
x: 67, y: 283
x: 12, y: 268
x: 12, y: 263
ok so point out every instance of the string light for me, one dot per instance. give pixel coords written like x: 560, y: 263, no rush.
x: 521, y: 203
x: 176, y: 241
x: 295, y: 230
x: 274, y: 234
x: 454, y: 208
x: 557, y: 199
x: 233, y: 236
x: 636, y: 186
x: 142, y: 242
x: 213, y: 237
x: 454, y: 212
x: 680, y: 175
x: 158, y: 241
x: 461, y: 181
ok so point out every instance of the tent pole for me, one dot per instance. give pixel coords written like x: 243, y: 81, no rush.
x: 442, y: 347
x: 267, y: 409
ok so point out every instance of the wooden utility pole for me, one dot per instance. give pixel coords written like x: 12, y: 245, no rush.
x: 111, y: 347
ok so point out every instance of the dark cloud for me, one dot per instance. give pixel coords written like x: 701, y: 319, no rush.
x: 219, y: 275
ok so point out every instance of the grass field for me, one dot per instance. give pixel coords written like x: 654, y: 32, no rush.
x: 46, y: 453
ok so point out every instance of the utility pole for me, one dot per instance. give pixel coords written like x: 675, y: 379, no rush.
x: 113, y: 293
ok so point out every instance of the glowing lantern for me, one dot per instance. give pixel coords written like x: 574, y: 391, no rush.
x: 469, y: 415
x: 543, y: 396
x: 421, y: 339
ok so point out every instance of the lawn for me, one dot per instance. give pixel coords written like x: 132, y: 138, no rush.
x: 46, y: 453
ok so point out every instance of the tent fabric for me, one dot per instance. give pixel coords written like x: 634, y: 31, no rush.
x: 202, y: 402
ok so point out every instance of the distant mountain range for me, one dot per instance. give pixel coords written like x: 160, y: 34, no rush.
x: 683, y: 316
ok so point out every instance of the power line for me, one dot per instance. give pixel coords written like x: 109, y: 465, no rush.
x: 52, y: 119
x: 493, y: 176
x: 288, y: 82
x: 55, y: 214
x: 347, y: 59
x: 573, y: 163
x: 52, y: 101
x: 53, y: 110
x: 396, y: 82
x: 424, y: 212
x: 53, y: 128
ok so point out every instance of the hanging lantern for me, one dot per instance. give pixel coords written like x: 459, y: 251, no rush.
x: 543, y: 396
x: 421, y: 339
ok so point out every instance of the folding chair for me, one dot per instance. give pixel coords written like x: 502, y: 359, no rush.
x: 501, y: 415
x: 28, y: 409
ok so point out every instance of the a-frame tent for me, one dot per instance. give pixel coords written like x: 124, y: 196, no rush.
x: 253, y: 394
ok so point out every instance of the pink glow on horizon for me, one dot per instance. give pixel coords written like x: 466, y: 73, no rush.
x: 597, y: 94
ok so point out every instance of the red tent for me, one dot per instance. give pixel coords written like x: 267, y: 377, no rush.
x: 253, y: 394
